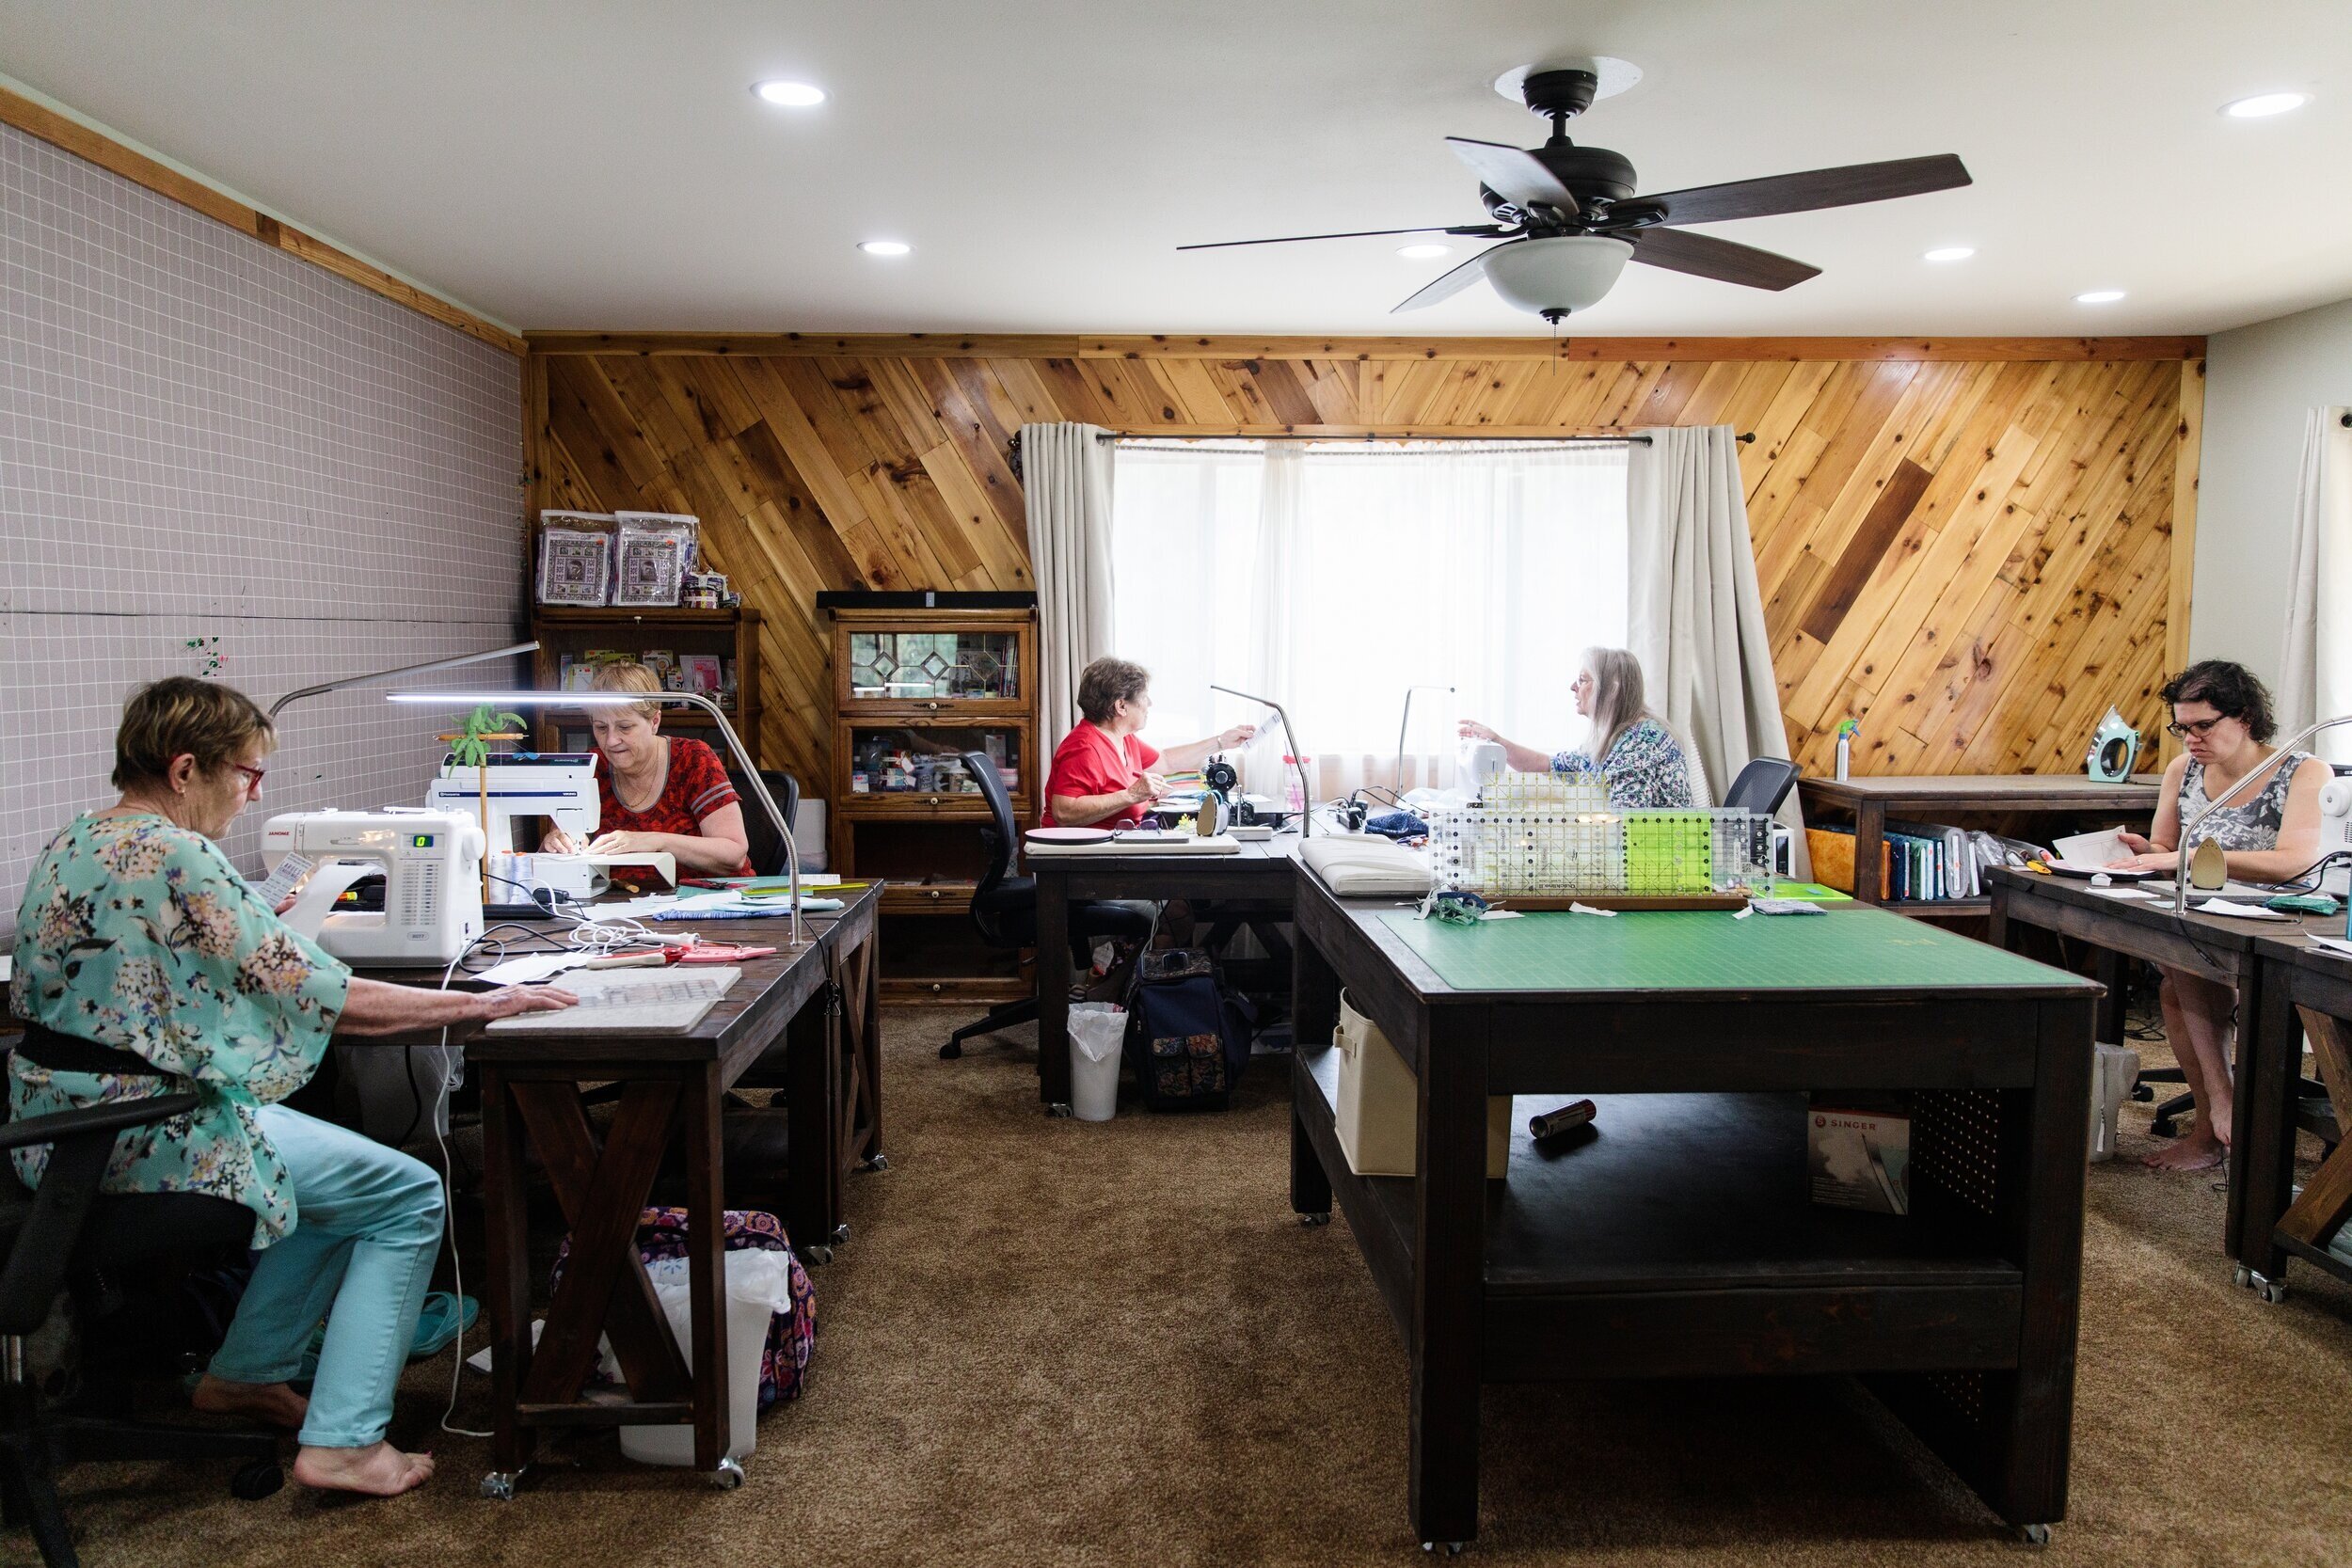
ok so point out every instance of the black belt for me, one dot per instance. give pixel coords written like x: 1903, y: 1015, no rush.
x: 45, y: 1047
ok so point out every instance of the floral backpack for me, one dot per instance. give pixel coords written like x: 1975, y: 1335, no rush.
x: 791, y: 1336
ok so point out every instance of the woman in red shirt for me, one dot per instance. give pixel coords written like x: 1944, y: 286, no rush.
x: 1102, y: 771
x: 658, y: 795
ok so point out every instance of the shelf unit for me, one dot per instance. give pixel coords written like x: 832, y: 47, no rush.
x: 915, y: 686
x: 732, y: 634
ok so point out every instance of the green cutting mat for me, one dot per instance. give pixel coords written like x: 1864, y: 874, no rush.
x: 1710, y: 950
x: 1812, y: 893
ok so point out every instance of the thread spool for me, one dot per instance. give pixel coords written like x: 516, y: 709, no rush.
x: 1567, y: 1118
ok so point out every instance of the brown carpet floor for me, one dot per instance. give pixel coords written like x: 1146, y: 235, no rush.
x: 1058, y: 1343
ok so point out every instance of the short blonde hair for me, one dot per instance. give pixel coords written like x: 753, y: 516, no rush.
x: 628, y: 676
x: 183, y: 715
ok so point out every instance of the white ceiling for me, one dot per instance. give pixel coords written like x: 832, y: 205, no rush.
x: 602, y: 163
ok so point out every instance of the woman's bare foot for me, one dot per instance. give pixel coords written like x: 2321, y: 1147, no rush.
x: 380, y: 1470
x: 274, y: 1402
x: 2195, y: 1152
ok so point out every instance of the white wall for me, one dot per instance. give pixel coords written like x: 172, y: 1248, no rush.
x: 2260, y: 381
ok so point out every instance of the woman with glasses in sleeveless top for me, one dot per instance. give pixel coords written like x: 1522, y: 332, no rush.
x: 2268, y: 833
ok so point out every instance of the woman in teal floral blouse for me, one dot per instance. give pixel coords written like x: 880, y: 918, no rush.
x: 136, y: 934
x: 1630, y: 746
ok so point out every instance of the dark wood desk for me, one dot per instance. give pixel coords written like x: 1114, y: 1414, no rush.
x: 2262, y: 1117
x: 1931, y: 799
x: 1261, y: 873
x: 2295, y: 973
x: 817, y: 1001
x: 1680, y: 1241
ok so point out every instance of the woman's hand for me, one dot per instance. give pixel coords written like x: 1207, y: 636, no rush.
x: 1471, y: 729
x: 624, y: 844
x: 2138, y: 845
x: 1147, y: 787
x: 2157, y: 860
x: 509, y: 1000
x: 555, y: 841
x: 1240, y: 735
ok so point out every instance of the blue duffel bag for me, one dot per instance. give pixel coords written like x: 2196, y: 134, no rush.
x: 1187, y: 1038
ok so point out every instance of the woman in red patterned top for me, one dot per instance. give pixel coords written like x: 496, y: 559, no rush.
x: 658, y: 795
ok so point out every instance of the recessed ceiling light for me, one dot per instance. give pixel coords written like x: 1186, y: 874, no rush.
x: 2099, y: 296
x: 884, y: 247
x: 792, y: 95
x: 2264, y: 104
x: 1422, y: 252
x: 1951, y: 253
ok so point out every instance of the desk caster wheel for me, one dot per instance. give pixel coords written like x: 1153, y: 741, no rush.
x: 880, y: 1162
x: 1450, y: 1548
x: 951, y: 1051
x: 1057, y: 1109
x: 818, y: 1255
x: 2272, y: 1291
x: 841, y: 1233
x: 499, y: 1485
x: 1314, y: 1221
x: 728, y: 1476
x: 2242, y: 1276
x: 2034, y: 1535
x: 257, y: 1481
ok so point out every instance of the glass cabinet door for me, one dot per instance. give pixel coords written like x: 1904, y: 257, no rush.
x: 935, y: 666
x: 910, y: 760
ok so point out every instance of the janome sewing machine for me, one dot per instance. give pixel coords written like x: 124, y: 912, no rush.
x: 430, y: 863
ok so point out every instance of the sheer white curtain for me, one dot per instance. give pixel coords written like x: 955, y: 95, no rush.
x: 2315, y: 659
x: 1333, y: 577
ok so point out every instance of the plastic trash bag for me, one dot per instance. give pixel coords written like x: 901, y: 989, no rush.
x: 1097, y: 1029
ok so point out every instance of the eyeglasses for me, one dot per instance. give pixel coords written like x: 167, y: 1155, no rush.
x: 2200, y: 729
x: 253, y: 777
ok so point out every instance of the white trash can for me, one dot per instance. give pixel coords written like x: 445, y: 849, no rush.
x: 2112, y: 1074
x: 758, y: 1286
x: 1097, y: 1032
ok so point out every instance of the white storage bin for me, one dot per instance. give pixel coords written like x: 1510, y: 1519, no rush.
x: 1379, y: 1106
x: 758, y: 1286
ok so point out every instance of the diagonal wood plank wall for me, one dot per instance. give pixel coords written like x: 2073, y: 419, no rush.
x: 1969, y: 546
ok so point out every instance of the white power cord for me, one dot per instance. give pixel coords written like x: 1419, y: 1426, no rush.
x: 451, y: 1074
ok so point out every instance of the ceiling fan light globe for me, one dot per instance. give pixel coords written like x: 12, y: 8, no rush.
x: 1568, y: 273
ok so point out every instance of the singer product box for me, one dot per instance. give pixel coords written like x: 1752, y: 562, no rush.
x: 1859, y: 1159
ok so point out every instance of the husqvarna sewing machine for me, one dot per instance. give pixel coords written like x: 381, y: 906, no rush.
x: 431, y: 862
x: 558, y: 785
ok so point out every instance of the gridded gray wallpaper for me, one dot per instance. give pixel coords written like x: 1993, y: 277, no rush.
x: 216, y: 459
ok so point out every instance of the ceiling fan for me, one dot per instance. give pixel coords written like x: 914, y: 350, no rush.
x: 1569, y: 221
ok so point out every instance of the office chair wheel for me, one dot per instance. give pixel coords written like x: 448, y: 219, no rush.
x: 728, y: 1476
x: 951, y: 1051
x: 499, y: 1485
x: 880, y: 1162
x: 257, y: 1481
x: 818, y: 1255
x: 1313, y: 1221
x: 841, y: 1233
x: 2163, y: 1128
x: 2034, y: 1535
x: 1450, y: 1548
x: 2143, y: 1092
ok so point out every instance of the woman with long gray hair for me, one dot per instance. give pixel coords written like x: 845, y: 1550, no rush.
x: 1630, y: 746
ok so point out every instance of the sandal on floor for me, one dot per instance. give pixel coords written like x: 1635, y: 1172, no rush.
x: 444, y: 1317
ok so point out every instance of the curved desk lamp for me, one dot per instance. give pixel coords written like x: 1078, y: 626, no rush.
x: 295, y: 696
x: 623, y: 699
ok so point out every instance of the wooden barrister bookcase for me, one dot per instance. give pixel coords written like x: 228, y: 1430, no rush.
x: 919, y: 679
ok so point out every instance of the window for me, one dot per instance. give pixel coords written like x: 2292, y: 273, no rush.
x: 1333, y: 577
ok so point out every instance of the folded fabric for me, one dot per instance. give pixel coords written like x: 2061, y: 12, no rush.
x: 1362, y: 866
x: 1398, y: 825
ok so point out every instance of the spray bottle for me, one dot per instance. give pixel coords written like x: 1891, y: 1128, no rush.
x: 1847, y: 730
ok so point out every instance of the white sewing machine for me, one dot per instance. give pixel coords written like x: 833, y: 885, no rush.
x: 2335, y: 834
x: 431, y: 862
x: 558, y: 785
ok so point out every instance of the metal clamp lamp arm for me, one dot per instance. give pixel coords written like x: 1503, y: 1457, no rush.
x: 2180, y: 869
x: 292, y: 697
x: 1289, y: 734
x: 623, y: 699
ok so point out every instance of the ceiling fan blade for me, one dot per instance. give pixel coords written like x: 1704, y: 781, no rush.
x: 1515, y: 174
x: 1705, y: 256
x: 1481, y: 229
x: 1814, y: 188
x: 1451, y: 283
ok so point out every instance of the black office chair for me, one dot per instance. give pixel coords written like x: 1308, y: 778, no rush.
x: 767, y: 845
x: 1762, y: 785
x: 67, y: 1237
x: 1004, y: 906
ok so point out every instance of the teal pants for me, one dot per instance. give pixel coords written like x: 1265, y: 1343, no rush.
x: 366, y: 1229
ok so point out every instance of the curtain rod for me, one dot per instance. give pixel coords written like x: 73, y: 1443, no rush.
x: 1371, y: 440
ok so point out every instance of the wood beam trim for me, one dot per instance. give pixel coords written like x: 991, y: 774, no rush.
x: 2181, y: 578
x: 37, y: 119
x: 1173, y: 346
